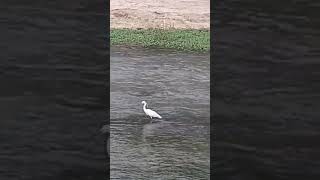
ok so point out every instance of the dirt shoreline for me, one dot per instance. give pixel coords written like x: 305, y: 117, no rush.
x: 162, y: 14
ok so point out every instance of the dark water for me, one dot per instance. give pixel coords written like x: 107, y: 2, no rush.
x: 174, y: 84
x: 266, y: 90
x: 53, y: 90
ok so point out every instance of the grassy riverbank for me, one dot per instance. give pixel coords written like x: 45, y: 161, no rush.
x: 187, y: 40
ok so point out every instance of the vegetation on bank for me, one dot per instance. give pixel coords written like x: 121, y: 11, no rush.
x: 187, y: 40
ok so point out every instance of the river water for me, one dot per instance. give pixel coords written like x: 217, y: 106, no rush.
x: 174, y: 84
x: 265, y: 104
x: 53, y: 90
x: 266, y: 90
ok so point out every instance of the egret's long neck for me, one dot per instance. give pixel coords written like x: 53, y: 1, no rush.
x: 144, y: 106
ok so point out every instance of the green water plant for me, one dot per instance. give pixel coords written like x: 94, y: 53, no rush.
x: 188, y: 39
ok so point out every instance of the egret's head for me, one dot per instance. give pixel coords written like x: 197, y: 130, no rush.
x: 143, y: 102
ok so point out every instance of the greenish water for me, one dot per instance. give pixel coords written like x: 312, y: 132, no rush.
x: 176, y: 85
x: 187, y: 40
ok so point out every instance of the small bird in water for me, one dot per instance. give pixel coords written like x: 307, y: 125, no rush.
x: 150, y: 112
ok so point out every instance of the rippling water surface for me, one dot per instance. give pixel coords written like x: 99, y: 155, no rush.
x: 266, y: 89
x: 53, y: 93
x: 176, y: 85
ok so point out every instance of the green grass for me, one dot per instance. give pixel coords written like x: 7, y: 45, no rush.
x: 186, y: 40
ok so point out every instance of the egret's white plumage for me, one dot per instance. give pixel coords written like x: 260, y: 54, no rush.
x: 150, y: 112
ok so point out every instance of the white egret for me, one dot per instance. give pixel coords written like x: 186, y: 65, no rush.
x: 149, y: 112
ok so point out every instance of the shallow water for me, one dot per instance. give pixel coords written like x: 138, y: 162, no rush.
x: 52, y: 95
x: 174, y: 84
x: 266, y: 90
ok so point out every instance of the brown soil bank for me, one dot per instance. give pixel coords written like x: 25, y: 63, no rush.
x: 164, y: 14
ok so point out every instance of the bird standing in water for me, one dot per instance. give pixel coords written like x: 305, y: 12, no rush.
x: 149, y: 112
